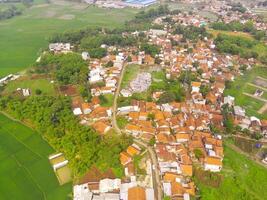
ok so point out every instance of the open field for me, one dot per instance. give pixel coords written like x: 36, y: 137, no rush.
x: 243, y: 179
x: 25, y: 170
x: 190, y: 7
x: 231, y: 33
x: 22, y: 38
x: 130, y: 74
x: 246, y: 85
x: 44, y: 85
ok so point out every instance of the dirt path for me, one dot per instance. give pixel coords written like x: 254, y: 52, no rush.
x: 153, y: 157
x: 257, y: 86
x: 258, y: 98
x: 263, y: 109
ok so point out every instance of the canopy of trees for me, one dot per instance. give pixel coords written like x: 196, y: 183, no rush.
x: 53, y: 118
x: 150, y: 49
x: 238, y: 7
x: 237, y: 45
x: 237, y: 26
x: 191, y: 32
x: 9, y: 12
x: 68, y: 68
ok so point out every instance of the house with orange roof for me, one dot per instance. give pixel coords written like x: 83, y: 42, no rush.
x: 182, y: 137
x: 86, y: 108
x: 143, y: 115
x: 195, y: 87
x: 132, y: 150
x: 213, y: 164
x: 125, y: 158
x: 101, y: 127
x: 159, y: 116
x: 137, y: 193
x: 132, y: 129
x: 133, y: 115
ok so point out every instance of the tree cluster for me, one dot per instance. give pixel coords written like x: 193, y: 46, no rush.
x: 236, y: 45
x: 82, y: 146
x: 191, y: 32
x: 150, y: 49
x: 67, y: 68
x: 9, y: 12
x: 237, y: 26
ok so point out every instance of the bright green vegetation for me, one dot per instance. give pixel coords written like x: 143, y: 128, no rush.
x: 243, y: 46
x: 82, y: 146
x: 240, y: 85
x: 243, y: 179
x: 106, y: 100
x: 137, y: 164
x: 22, y: 38
x: 122, y: 121
x: 66, y: 68
x: 247, y: 27
x: 44, y: 85
x: 129, y: 74
x: 25, y: 170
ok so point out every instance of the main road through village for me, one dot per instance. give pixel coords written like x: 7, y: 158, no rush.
x: 155, y: 169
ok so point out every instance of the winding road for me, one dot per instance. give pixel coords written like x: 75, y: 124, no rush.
x: 152, y: 154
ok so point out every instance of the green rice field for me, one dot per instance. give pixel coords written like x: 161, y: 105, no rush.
x: 242, y: 85
x: 25, y: 170
x: 22, y: 38
x: 243, y: 179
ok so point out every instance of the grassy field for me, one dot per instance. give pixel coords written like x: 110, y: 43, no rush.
x: 130, y: 74
x: 22, y: 38
x: 44, y: 85
x: 241, y: 85
x: 231, y: 33
x: 243, y: 180
x: 25, y: 170
x: 109, y: 100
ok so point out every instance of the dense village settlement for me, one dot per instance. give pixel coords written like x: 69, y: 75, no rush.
x: 166, y: 93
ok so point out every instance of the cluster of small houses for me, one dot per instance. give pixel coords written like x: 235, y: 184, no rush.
x: 96, y: 185
x: 180, y: 130
x: 184, y: 19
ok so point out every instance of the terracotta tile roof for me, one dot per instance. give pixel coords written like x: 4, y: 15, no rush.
x: 101, y: 127
x: 159, y: 116
x: 125, y: 158
x: 136, y: 193
x: 182, y: 136
x: 131, y: 127
x: 187, y: 169
x: 132, y: 151
x: 196, y: 84
x: 134, y: 115
x: 95, y: 100
x: 177, y: 189
x: 171, y: 177
x: 213, y: 161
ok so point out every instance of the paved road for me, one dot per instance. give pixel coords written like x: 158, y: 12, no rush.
x: 152, y: 154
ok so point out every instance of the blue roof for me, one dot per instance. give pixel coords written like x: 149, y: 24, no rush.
x: 142, y: 2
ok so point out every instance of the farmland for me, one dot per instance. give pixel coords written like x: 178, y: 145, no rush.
x: 245, y: 85
x: 46, y: 87
x: 242, y: 179
x: 24, y: 165
x: 24, y: 37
